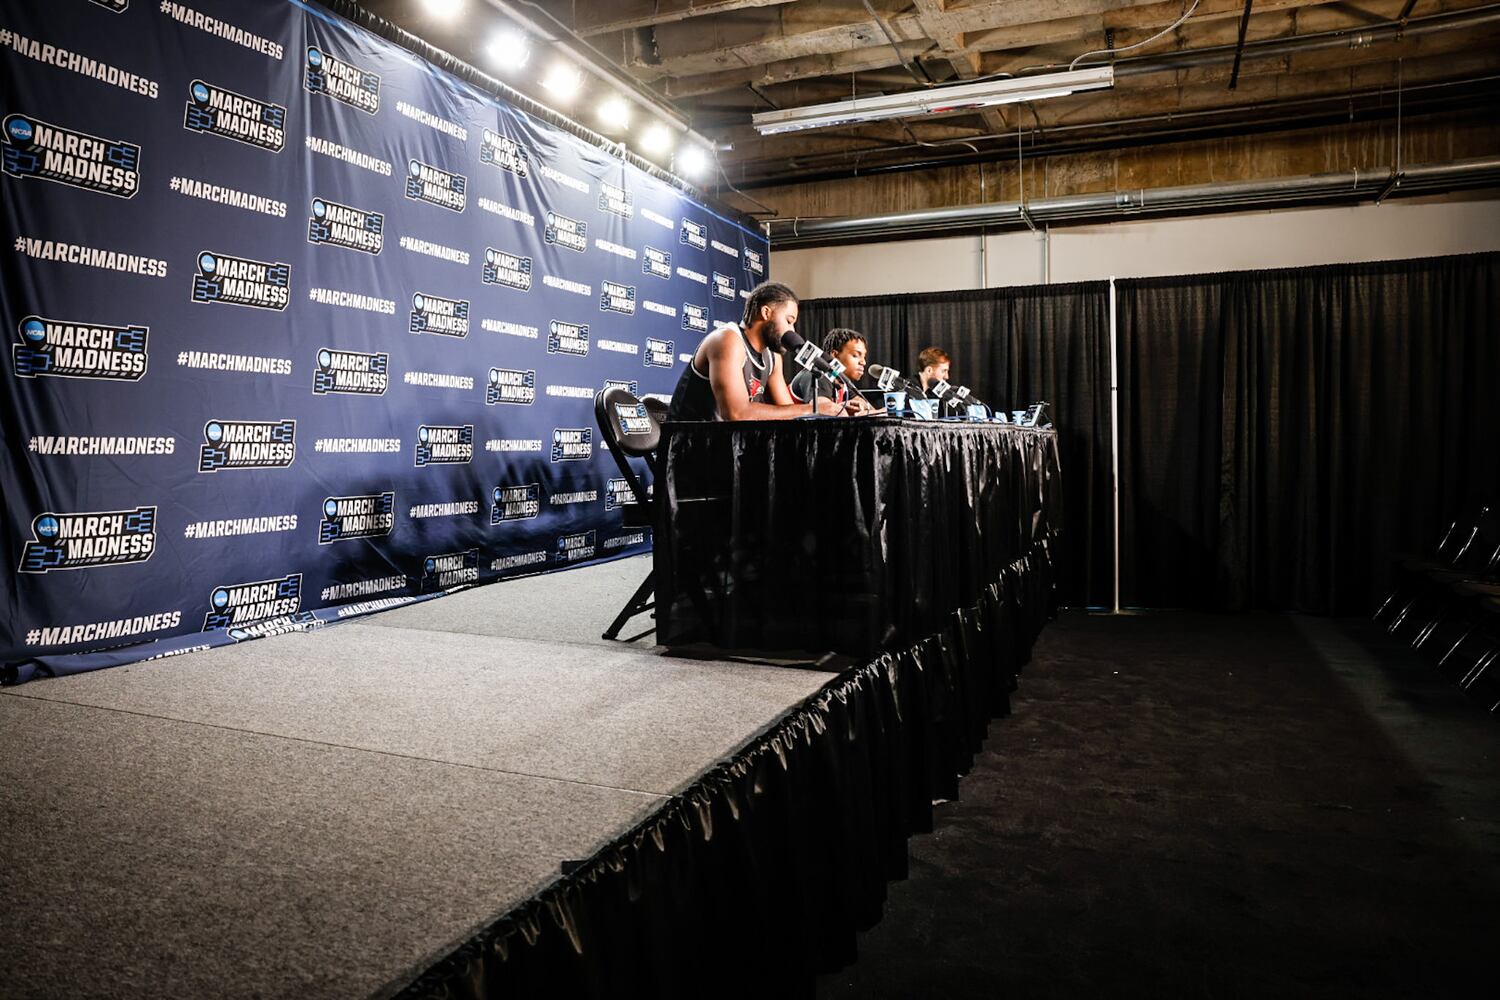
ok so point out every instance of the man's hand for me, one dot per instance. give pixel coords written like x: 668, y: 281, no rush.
x: 859, y: 406
x: 828, y: 408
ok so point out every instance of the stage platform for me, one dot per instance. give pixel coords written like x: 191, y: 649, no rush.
x: 328, y: 814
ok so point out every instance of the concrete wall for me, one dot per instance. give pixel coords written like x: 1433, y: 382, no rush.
x: 1287, y: 237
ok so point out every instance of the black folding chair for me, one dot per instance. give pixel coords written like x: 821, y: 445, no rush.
x: 632, y: 429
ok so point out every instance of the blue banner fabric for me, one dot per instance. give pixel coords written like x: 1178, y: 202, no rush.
x: 302, y: 325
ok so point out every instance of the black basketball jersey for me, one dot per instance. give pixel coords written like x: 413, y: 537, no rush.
x: 694, y: 396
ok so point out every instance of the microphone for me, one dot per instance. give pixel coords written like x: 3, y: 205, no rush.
x: 889, y: 379
x: 812, y: 358
x: 964, y: 399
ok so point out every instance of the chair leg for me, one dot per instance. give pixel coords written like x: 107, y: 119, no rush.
x: 639, y: 602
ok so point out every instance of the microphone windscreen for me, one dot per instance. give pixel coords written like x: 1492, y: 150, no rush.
x: 791, y: 340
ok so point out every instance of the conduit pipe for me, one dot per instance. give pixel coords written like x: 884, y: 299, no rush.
x: 1348, y: 38
x: 1343, y: 185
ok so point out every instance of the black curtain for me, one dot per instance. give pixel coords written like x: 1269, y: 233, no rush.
x: 1013, y: 346
x: 1284, y: 433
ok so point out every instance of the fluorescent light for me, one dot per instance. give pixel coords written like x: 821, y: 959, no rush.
x: 934, y: 100
x: 657, y: 139
x: 508, y: 50
x: 692, y: 161
x: 615, y: 113
x: 563, y: 81
x: 444, y: 10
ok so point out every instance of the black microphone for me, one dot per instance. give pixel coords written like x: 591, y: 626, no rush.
x: 965, y: 399
x: 810, y: 357
x: 889, y: 379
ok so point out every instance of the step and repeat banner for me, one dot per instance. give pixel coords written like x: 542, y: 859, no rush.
x: 301, y: 326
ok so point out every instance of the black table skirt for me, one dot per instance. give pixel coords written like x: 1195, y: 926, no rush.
x: 847, y: 535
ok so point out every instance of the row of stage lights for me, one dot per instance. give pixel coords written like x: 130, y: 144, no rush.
x: 508, y: 52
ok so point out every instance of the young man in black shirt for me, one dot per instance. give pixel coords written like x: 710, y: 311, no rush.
x: 848, y: 348
x: 736, y: 372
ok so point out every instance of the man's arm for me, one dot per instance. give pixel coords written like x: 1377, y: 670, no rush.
x: 726, y: 361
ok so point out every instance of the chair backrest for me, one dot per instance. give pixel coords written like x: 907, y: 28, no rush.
x: 627, y: 421
x: 658, y: 408
x: 630, y: 430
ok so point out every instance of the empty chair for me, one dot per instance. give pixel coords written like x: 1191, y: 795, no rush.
x: 631, y: 429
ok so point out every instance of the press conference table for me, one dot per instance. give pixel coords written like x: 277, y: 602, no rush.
x: 845, y: 534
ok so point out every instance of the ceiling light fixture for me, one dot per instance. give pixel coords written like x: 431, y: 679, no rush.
x: 563, y: 81
x: 691, y: 161
x: 657, y: 139
x: 615, y: 113
x: 934, y: 101
x: 509, y: 50
x: 443, y: 10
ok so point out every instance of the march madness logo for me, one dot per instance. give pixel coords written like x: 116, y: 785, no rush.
x: 424, y: 182
x: 572, y: 444
x: 450, y: 569
x: 568, y: 338
x: 508, y: 269
x: 723, y: 286
x: 221, y: 112
x: 368, y: 516
x: 445, y: 317
x: 69, y: 349
x: 240, y: 281
x: 40, y: 150
x: 345, y: 82
x: 247, y: 444
x: 694, y: 317
x: 616, y: 200
x: 84, y: 540
x: 236, y: 604
x: 565, y: 232
x: 616, y: 297
x: 571, y: 548
x: 659, y: 353
x: 618, y: 494
x: 511, y: 385
x: 352, y: 372
x: 440, y: 445
x: 694, y: 234
x: 505, y: 153
x: 633, y: 418
x: 657, y: 263
x: 631, y: 386
x: 515, y: 503
x: 342, y: 226
x: 755, y: 264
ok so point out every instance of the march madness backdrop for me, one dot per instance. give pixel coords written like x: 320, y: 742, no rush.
x: 302, y: 326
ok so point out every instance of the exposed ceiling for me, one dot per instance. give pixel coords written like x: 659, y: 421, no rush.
x: 718, y: 61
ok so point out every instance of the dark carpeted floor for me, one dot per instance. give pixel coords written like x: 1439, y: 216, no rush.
x: 1248, y: 806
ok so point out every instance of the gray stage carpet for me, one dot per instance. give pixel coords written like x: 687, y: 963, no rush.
x: 325, y: 814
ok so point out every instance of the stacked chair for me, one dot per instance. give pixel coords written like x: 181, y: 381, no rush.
x: 1446, y: 604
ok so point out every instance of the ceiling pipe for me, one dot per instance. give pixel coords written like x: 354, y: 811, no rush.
x: 1343, y: 185
x: 1347, y: 38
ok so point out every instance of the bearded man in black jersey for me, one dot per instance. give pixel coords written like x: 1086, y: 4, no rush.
x: 737, y: 372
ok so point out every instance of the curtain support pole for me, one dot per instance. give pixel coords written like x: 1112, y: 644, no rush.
x: 1114, y: 433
